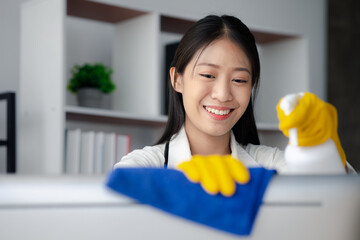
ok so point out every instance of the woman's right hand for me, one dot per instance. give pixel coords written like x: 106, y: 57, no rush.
x: 216, y: 173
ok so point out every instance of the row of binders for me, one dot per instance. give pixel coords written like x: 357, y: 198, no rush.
x: 90, y: 152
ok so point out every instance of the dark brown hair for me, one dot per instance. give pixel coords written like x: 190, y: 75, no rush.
x: 198, y: 37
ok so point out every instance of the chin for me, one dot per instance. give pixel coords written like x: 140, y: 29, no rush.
x: 218, y: 131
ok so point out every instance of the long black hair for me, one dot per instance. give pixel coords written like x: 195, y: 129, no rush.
x: 197, y: 37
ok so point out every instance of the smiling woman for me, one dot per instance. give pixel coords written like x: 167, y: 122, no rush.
x: 214, y: 72
x: 202, y: 51
x: 211, y: 86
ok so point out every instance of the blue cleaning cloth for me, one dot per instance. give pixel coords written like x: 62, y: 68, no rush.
x: 171, y: 191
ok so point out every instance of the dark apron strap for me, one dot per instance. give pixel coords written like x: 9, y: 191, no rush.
x: 166, y: 154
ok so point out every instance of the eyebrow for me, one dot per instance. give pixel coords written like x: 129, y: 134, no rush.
x: 217, y: 66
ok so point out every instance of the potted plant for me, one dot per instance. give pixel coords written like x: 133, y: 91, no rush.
x: 91, y: 82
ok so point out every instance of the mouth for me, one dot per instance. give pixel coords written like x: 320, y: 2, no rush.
x: 222, y: 112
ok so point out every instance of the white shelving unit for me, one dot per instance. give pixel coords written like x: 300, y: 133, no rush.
x: 138, y: 34
x: 41, y: 90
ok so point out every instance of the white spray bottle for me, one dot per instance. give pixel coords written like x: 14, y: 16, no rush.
x: 323, y: 158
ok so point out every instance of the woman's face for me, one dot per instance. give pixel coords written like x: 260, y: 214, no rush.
x: 216, y: 88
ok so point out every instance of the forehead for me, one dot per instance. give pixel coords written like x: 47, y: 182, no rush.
x: 221, y: 52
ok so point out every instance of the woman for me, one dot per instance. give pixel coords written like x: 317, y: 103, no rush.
x: 214, y: 75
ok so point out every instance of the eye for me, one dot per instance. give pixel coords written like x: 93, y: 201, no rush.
x: 240, y: 81
x: 207, y: 75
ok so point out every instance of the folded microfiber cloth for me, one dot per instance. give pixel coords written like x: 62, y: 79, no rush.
x: 171, y: 191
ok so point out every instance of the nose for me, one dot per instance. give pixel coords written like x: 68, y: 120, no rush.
x: 221, y: 90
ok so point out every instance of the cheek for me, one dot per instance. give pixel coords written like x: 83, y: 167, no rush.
x: 243, y: 97
x: 195, y: 90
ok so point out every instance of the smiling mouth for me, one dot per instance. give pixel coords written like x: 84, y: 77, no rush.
x: 218, y: 112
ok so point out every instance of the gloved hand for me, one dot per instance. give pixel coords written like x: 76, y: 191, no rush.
x: 315, y: 120
x: 215, y: 173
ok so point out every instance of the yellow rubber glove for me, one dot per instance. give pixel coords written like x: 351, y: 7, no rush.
x: 216, y: 173
x: 315, y: 120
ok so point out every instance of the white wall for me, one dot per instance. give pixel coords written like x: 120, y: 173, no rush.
x: 139, y: 71
x: 86, y: 39
x: 288, y: 74
x: 9, y: 44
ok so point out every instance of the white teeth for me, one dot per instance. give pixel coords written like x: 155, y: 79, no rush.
x: 216, y: 111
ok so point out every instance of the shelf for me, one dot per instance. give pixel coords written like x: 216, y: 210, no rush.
x: 100, y: 11
x: 267, y: 37
x: 175, y: 25
x: 110, y: 116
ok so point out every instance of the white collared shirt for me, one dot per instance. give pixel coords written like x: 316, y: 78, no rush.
x: 179, y: 151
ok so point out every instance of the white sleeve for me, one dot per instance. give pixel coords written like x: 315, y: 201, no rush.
x: 268, y: 157
x: 147, y: 157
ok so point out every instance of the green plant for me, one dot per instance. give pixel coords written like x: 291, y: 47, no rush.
x: 91, y: 76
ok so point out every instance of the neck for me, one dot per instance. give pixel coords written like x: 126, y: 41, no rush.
x: 202, y: 144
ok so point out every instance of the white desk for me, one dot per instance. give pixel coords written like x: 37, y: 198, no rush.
x: 319, y: 207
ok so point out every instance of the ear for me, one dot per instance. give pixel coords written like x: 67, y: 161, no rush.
x: 176, y: 80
